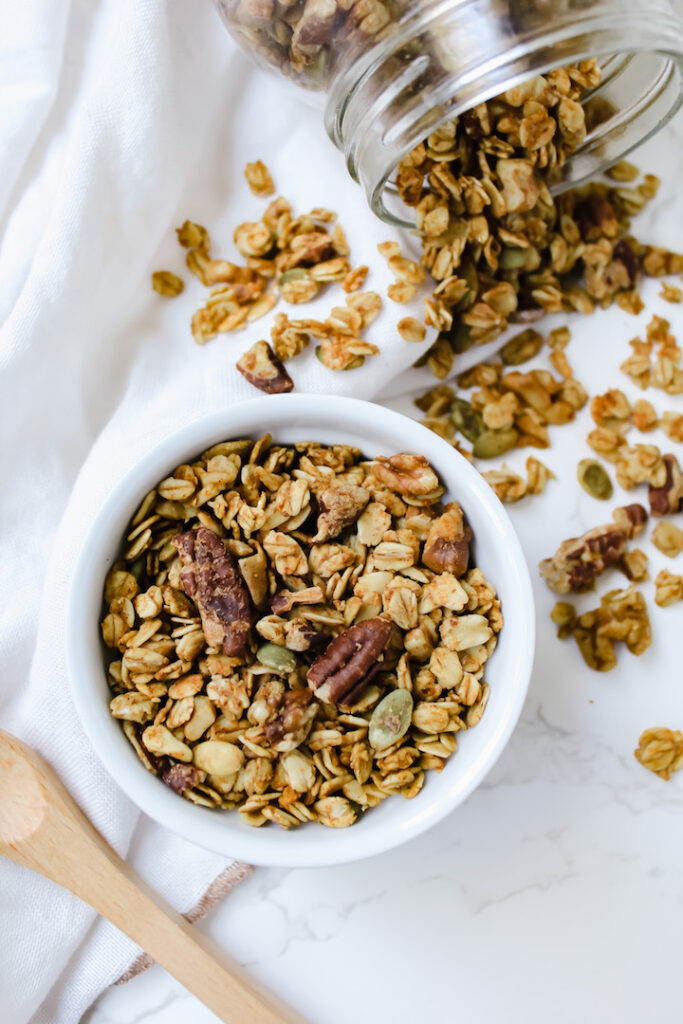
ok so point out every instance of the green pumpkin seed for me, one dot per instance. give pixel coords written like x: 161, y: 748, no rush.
x: 494, y: 442
x: 279, y: 659
x: 511, y: 259
x: 522, y: 347
x: 594, y: 479
x: 460, y: 336
x: 391, y: 719
x: 296, y: 274
x: 137, y: 569
x: 467, y: 420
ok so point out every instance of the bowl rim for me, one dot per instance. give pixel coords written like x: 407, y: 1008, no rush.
x: 145, y: 789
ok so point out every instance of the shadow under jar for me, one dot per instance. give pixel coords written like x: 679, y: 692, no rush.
x: 390, y: 72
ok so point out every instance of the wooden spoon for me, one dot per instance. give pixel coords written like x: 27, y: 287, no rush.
x: 42, y: 828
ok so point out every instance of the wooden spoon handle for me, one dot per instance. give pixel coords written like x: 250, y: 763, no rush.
x: 67, y: 849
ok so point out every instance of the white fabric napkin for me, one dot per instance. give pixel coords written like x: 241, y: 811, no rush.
x: 119, y: 120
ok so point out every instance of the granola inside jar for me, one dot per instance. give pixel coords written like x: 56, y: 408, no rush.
x: 391, y: 72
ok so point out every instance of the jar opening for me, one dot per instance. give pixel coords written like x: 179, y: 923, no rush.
x: 378, y: 112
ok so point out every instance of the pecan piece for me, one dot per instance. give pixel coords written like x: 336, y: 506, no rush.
x: 211, y: 578
x: 406, y: 474
x: 447, y: 548
x: 340, y: 674
x: 285, y: 600
x: 669, y: 497
x: 339, y: 507
x: 262, y: 368
x: 579, y: 561
x: 290, y: 719
x: 181, y: 776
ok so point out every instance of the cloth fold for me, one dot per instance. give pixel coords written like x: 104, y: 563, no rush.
x: 121, y: 119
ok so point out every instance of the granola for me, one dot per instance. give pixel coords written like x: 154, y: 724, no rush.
x: 621, y: 617
x: 579, y: 561
x: 297, y: 632
x: 668, y: 588
x: 661, y: 751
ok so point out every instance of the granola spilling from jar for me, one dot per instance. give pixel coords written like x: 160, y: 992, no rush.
x: 297, y: 632
x: 501, y: 247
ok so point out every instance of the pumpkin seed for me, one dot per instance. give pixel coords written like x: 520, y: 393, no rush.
x: 277, y: 658
x: 391, y: 719
x: 460, y: 336
x: 296, y: 274
x: 511, y: 259
x: 594, y: 479
x: 494, y: 442
x: 467, y: 420
x: 137, y: 569
x: 522, y: 347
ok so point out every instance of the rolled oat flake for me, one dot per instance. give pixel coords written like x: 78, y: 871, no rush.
x: 390, y: 719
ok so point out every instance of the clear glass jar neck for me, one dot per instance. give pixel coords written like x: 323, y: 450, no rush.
x: 446, y: 56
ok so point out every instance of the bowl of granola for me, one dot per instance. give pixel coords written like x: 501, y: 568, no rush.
x: 300, y: 652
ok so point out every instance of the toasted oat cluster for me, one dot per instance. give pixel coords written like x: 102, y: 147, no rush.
x: 661, y: 751
x: 296, y: 631
x: 506, y: 408
x: 621, y: 617
x: 500, y: 246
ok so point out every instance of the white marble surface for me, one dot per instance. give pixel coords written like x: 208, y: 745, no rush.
x: 555, y: 891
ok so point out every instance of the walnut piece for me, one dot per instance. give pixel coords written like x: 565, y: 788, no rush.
x: 290, y: 719
x: 339, y: 507
x: 181, y: 776
x: 407, y: 474
x: 210, y: 576
x: 447, y: 548
x: 262, y: 368
x: 341, y: 673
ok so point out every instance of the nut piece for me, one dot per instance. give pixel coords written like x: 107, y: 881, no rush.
x: 289, y: 719
x: 262, y: 368
x: 181, y: 776
x: 447, y: 548
x: 407, y: 474
x: 579, y: 561
x: 661, y: 751
x: 668, y: 497
x: 339, y: 507
x: 211, y: 578
x: 341, y: 673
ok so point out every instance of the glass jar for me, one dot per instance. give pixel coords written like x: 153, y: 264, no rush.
x: 390, y: 72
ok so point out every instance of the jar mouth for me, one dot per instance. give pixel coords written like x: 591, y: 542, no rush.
x: 379, y: 112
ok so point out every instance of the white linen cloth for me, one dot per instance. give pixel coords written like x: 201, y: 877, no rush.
x: 119, y: 120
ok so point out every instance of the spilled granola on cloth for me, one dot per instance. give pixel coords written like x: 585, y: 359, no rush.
x: 297, y: 632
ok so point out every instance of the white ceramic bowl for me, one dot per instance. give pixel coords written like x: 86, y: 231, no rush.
x: 377, y: 431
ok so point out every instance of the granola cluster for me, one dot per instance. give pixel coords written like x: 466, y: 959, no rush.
x: 501, y: 247
x: 621, y: 616
x: 656, y: 361
x: 297, y: 632
x: 506, y: 409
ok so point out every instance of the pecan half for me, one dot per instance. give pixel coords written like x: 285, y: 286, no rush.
x: 211, y: 578
x: 447, y: 548
x: 579, y: 561
x: 341, y: 673
x: 262, y: 368
x: 669, y: 497
x: 339, y: 507
x: 181, y: 776
x: 407, y: 474
x: 290, y: 719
